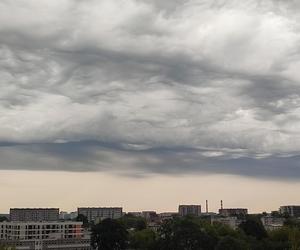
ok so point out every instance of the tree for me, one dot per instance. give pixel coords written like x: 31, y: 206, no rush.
x: 143, y: 240
x: 83, y: 219
x: 285, y: 238
x: 184, y: 234
x: 254, y: 227
x: 230, y: 243
x: 292, y: 222
x: 3, y: 218
x: 276, y: 214
x: 294, y: 238
x: 281, y: 234
x: 130, y: 221
x: 109, y: 235
x: 225, y: 230
x: 3, y: 247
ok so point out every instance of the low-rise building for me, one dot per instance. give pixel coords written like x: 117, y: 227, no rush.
x: 271, y: 223
x: 232, y: 222
x: 96, y: 214
x: 184, y: 210
x: 167, y: 216
x: 150, y: 216
x: 154, y: 226
x: 231, y: 212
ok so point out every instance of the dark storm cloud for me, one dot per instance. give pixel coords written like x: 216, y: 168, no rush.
x: 219, y: 78
x: 96, y: 156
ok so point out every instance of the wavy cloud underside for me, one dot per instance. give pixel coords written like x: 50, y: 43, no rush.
x: 154, y: 86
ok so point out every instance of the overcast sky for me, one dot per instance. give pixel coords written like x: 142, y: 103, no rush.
x: 143, y: 88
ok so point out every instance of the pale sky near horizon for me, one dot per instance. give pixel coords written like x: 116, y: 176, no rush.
x: 157, y: 192
x: 156, y: 102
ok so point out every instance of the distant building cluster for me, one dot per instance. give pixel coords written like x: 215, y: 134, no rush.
x: 48, y: 228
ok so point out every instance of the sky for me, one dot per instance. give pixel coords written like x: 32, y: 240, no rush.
x: 149, y: 104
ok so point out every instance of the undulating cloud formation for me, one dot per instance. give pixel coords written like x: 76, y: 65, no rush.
x: 151, y: 86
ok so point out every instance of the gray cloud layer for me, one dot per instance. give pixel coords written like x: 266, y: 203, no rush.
x: 156, y: 86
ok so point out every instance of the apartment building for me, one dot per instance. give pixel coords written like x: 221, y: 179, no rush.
x: 96, y: 214
x: 293, y: 211
x: 44, y: 235
x: 184, y: 210
x: 34, y: 214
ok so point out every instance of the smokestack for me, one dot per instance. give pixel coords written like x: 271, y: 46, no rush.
x: 207, y: 206
x: 221, y: 204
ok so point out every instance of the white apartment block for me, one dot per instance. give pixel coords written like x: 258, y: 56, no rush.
x: 97, y: 214
x: 44, y: 235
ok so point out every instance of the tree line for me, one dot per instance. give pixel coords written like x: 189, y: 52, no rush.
x: 193, y: 233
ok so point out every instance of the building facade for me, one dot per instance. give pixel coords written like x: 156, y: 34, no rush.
x: 232, y: 222
x: 44, y: 235
x: 150, y: 216
x: 184, y: 210
x: 67, y: 216
x: 34, y: 214
x: 272, y: 223
x: 231, y: 212
x: 293, y: 211
x: 96, y: 214
x: 167, y: 216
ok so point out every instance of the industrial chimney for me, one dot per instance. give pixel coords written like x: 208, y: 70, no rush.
x: 207, y: 206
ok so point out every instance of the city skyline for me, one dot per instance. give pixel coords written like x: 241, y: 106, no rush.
x: 147, y: 104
